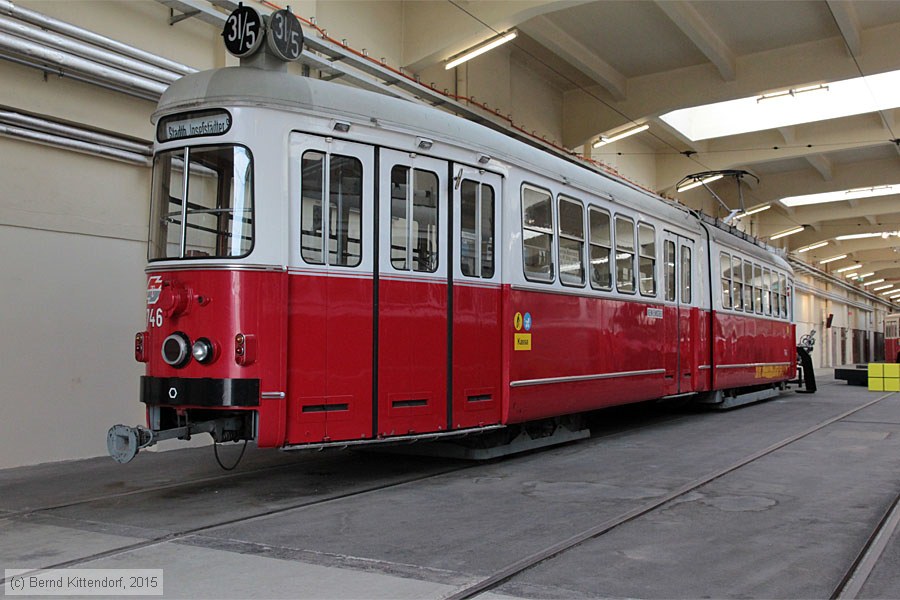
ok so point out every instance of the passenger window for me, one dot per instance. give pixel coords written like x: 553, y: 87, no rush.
x: 757, y: 289
x: 748, y: 286
x: 737, y: 288
x: 343, y: 217
x: 647, y: 259
x: 601, y: 246
x: 776, y: 296
x: 476, y: 244
x: 625, y: 255
x: 725, y: 268
x: 767, y: 291
x: 537, y: 234
x: 669, y: 267
x: 785, y: 308
x: 686, y: 275
x: 414, y: 226
x: 571, y: 242
x: 312, y: 190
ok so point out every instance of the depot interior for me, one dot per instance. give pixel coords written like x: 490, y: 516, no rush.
x: 791, y: 99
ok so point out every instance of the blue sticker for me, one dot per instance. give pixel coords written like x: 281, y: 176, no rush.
x: 527, y: 321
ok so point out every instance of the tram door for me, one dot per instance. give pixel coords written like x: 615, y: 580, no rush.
x: 412, y: 299
x: 331, y: 262
x: 476, y: 342
x: 682, y: 330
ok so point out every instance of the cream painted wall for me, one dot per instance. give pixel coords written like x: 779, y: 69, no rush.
x: 631, y: 159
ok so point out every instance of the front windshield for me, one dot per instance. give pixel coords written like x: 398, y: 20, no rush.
x: 219, y: 210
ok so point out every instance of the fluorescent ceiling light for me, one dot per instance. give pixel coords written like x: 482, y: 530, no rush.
x: 862, y: 236
x: 854, y: 194
x: 873, y: 282
x: 698, y: 183
x: 850, y: 268
x: 787, y: 232
x: 753, y: 211
x: 479, y: 50
x: 615, y: 138
x: 784, y: 108
x: 864, y: 275
x: 890, y: 292
x: 832, y: 259
x: 893, y: 294
x: 882, y: 287
x: 811, y: 247
x: 851, y: 276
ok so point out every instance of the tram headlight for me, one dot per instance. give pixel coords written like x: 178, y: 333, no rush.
x: 176, y: 349
x: 203, y: 351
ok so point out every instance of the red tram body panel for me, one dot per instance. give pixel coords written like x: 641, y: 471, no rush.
x: 331, y: 266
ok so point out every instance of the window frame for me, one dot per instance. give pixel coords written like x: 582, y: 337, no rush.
x: 652, y: 293
x: 632, y: 252
x: 531, y: 275
x: 410, y: 218
x: 609, y: 249
x: 560, y: 236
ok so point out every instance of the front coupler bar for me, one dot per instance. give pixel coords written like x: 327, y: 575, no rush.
x: 123, y: 442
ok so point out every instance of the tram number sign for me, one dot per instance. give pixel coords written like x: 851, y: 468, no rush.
x: 285, y: 35
x: 243, y: 31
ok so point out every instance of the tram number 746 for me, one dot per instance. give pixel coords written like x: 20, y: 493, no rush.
x: 154, y: 317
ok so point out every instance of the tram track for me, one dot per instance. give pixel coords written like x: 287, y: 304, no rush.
x: 523, y: 564
x: 187, y: 532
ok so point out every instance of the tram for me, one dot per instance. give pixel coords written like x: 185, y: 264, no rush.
x: 892, y: 337
x: 329, y: 267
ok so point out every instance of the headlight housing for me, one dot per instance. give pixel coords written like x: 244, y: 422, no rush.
x: 203, y: 351
x: 176, y: 349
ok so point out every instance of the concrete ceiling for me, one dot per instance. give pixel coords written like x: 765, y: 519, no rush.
x: 618, y: 61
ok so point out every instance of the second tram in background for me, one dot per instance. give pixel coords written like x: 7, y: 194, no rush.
x: 330, y: 266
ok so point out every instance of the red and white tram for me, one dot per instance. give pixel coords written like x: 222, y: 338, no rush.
x: 892, y: 338
x: 332, y: 266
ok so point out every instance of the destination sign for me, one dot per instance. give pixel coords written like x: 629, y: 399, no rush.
x: 197, y: 124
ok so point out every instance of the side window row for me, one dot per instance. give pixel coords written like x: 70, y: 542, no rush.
x: 331, y: 201
x: 591, y: 238
x: 749, y: 287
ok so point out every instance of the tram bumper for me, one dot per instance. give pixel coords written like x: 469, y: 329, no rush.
x: 205, y: 393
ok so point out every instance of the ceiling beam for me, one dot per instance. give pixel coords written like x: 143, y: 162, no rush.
x: 821, y: 164
x: 845, y: 16
x: 558, y: 41
x: 701, y: 34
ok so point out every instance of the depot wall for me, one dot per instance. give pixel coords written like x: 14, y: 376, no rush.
x: 73, y: 226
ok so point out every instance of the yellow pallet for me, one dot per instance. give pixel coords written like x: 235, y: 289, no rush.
x: 884, y: 377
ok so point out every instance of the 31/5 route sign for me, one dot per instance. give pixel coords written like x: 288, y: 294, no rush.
x: 285, y: 35
x: 244, y: 31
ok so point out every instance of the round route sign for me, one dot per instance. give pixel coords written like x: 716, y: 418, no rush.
x: 244, y: 31
x: 285, y: 35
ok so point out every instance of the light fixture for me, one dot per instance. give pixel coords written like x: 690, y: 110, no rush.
x: 615, y: 138
x: 832, y: 259
x: 793, y: 92
x: 753, y: 211
x: 873, y: 282
x: 864, y: 275
x: 424, y: 143
x: 893, y: 294
x: 882, y: 287
x: 483, y: 159
x: 479, y: 50
x: 850, y: 268
x: 862, y: 236
x: 787, y: 232
x: 888, y: 293
x: 340, y: 126
x: 811, y: 247
x: 851, y: 276
x: 842, y: 195
x: 698, y: 183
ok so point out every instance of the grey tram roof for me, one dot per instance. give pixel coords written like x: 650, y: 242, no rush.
x: 249, y: 86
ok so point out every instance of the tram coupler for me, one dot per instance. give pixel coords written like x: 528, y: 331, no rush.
x: 124, y: 442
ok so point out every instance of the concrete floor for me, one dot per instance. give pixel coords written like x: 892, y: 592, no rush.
x: 363, y: 525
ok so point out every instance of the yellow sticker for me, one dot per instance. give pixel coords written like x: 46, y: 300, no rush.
x: 517, y: 321
x: 523, y: 341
